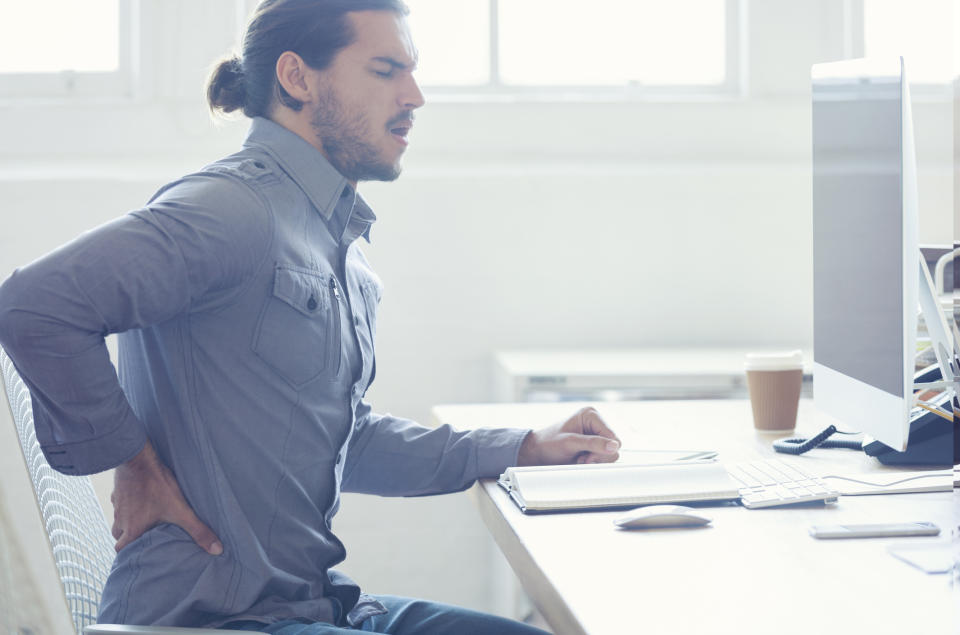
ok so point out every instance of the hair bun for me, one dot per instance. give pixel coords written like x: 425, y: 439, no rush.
x: 226, y: 89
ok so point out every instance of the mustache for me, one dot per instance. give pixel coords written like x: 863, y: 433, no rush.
x: 405, y: 117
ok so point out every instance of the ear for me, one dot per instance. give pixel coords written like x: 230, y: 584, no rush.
x: 292, y: 75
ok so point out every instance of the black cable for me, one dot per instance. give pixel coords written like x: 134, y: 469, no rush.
x: 799, y: 445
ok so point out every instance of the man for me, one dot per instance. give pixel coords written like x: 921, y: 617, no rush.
x: 246, y: 315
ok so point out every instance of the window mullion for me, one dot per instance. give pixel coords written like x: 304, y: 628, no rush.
x: 129, y: 65
x: 853, y: 25
x: 736, y: 47
x: 495, y: 43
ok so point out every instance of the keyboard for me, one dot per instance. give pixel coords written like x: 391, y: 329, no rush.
x: 770, y: 482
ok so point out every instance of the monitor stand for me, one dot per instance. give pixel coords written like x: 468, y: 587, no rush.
x: 943, y: 338
x: 934, y: 437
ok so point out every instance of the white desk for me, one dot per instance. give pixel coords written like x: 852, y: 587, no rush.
x: 752, y: 571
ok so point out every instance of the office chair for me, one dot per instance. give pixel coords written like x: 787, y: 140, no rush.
x: 76, y: 528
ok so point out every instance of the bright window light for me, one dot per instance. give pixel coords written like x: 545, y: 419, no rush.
x: 49, y: 36
x: 453, y: 38
x: 612, y: 42
x: 571, y: 42
x: 922, y: 31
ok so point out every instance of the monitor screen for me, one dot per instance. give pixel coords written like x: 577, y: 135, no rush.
x: 858, y: 231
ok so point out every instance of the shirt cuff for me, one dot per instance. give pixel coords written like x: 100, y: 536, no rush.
x: 80, y: 458
x: 498, y: 449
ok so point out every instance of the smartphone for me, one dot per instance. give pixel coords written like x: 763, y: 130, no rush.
x: 874, y: 531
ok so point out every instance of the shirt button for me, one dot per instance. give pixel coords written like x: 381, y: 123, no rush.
x: 339, y: 458
x: 312, y: 303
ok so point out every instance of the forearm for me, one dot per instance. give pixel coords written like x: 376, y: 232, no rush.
x: 54, y: 316
x: 82, y: 419
x: 390, y: 456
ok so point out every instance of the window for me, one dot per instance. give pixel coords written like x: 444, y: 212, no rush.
x: 924, y: 32
x: 454, y: 41
x: 639, y: 46
x: 59, y: 48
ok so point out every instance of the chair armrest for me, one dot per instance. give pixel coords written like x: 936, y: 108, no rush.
x: 118, y: 629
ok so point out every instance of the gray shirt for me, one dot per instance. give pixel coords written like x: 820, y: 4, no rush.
x: 247, y: 316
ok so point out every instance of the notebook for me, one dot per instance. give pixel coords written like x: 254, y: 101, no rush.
x: 568, y: 487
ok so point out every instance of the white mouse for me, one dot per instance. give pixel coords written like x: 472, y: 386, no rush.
x: 661, y: 516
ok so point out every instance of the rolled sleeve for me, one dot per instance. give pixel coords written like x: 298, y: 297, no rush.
x: 99, y: 453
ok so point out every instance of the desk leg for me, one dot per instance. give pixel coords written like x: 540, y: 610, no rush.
x: 545, y: 597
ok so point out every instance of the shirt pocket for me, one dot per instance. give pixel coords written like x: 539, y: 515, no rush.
x: 299, y: 330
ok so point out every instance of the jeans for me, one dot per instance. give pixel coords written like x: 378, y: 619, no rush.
x: 405, y: 617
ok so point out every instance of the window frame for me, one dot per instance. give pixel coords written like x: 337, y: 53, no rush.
x: 495, y: 90
x: 854, y: 46
x: 75, y: 85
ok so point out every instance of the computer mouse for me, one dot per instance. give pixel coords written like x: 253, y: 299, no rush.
x: 661, y: 516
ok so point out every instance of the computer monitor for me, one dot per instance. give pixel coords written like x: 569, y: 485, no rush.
x: 868, y: 275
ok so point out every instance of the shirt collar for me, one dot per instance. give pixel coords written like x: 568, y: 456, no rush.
x: 328, y: 191
x: 352, y: 217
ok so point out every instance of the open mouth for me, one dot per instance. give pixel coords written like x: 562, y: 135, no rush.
x: 400, y: 133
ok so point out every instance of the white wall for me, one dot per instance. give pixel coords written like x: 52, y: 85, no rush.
x: 515, y: 225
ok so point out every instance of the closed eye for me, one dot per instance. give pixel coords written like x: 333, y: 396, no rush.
x: 392, y: 66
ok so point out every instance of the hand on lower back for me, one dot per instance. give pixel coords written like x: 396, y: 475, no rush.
x: 145, y: 494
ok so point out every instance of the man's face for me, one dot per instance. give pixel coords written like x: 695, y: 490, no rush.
x: 368, y: 96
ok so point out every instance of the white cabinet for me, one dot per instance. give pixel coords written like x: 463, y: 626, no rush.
x: 627, y: 374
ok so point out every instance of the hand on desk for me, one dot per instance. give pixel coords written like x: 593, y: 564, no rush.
x: 145, y: 494
x: 583, y: 438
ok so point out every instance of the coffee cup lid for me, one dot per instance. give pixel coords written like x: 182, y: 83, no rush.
x: 788, y: 360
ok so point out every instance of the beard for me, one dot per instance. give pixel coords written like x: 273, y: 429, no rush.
x: 343, y: 138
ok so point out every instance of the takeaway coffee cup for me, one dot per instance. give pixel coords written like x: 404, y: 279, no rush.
x: 774, y: 381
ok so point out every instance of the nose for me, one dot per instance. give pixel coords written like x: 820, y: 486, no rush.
x: 411, y: 96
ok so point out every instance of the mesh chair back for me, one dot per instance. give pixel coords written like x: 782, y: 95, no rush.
x: 76, y: 528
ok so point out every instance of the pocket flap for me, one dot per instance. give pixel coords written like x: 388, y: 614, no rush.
x: 302, y: 290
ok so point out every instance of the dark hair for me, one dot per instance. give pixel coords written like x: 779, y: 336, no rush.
x: 315, y: 30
